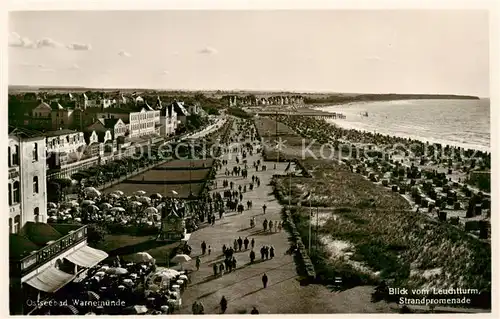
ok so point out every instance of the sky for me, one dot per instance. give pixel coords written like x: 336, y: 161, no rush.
x: 406, y: 51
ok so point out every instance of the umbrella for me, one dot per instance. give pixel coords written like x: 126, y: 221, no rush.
x: 128, y: 282
x: 135, y: 203
x: 71, y: 309
x: 144, y: 199
x: 142, y: 257
x: 174, y: 192
x: 167, y: 273
x: 78, y: 219
x: 52, y: 211
x: 92, y: 295
x: 137, y: 309
x: 151, y: 210
x: 179, y: 259
x: 117, y: 271
x: 113, y: 195
x: 72, y: 203
x: 140, y: 193
x: 51, y: 205
x: 88, y: 202
x: 53, y: 218
x: 117, y: 192
x: 156, y: 196
x: 91, y: 191
x: 93, y: 208
x: 117, y: 209
x: 106, y: 206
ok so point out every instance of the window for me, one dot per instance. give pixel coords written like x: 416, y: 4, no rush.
x: 35, y: 152
x: 36, y: 212
x: 10, y: 194
x: 10, y: 157
x: 10, y: 225
x: 15, y: 156
x: 35, y: 185
x: 16, y: 194
x: 17, y: 223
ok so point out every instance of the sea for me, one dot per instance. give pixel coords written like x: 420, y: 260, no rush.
x: 464, y: 123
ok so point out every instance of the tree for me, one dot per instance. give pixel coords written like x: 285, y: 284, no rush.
x: 96, y: 234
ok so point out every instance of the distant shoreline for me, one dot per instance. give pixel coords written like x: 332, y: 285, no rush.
x: 314, y: 98
x: 344, y: 99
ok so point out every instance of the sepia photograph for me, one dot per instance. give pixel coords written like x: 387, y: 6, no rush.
x: 333, y: 161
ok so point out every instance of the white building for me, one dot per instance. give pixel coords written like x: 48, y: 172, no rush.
x: 63, y: 145
x: 144, y: 122
x: 168, y: 120
x: 27, y: 178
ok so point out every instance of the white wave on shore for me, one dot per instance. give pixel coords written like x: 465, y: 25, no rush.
x: 463, y: 123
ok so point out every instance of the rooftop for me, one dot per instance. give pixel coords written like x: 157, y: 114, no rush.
x: 34, y: 236
x: 59, y: 132
x: 22, y: 132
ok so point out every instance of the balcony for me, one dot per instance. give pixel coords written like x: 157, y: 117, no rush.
x: 50, y: 251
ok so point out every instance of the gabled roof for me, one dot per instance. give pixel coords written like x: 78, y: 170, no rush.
x: 168, y: 110
x: 59, y: 132
x: 43, y: 105
x: 56, y: 106
x: 180, y: 109
x: 158, y: 103
x: 22, y: 132
x: 110, y: 123
x: 147, y: 107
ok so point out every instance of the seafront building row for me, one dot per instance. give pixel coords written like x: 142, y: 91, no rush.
x: 48, y: 140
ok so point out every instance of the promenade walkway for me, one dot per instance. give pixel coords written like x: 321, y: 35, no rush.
x: 243, y: 287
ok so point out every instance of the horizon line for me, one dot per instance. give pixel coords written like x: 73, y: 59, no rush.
x: 80, y: 87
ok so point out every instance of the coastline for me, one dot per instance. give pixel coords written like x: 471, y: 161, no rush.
x: 346, y: 125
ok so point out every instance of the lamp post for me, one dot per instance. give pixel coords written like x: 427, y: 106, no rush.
x: 310, y: 223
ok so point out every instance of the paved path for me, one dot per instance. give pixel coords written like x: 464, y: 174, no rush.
x: 243, y: 288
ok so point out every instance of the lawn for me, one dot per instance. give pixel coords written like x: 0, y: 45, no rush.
x: 335, y: 186
x: 126, y: 245
x: 161, y: 176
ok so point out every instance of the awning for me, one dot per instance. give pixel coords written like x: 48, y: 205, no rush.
x: 87, y: 257
x: 50, y: 280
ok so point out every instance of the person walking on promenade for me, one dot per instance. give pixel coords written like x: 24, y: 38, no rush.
x: 209, y: 250
x: 221, y: 269
x: 271, y: 252
x: 198, y: 262
x: 252, y: 243
x: 262, y: 252
x: 203, y: 247
x: 240, y: 243
x: 264, y: 280
x: 264, y: 224
x: 252, y: 256
x: 223, y: 304
x: 235, y: 245
x: 245, y: 242
x: 271, y: 226
x: 264, y: 208
x: 215, y: 270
